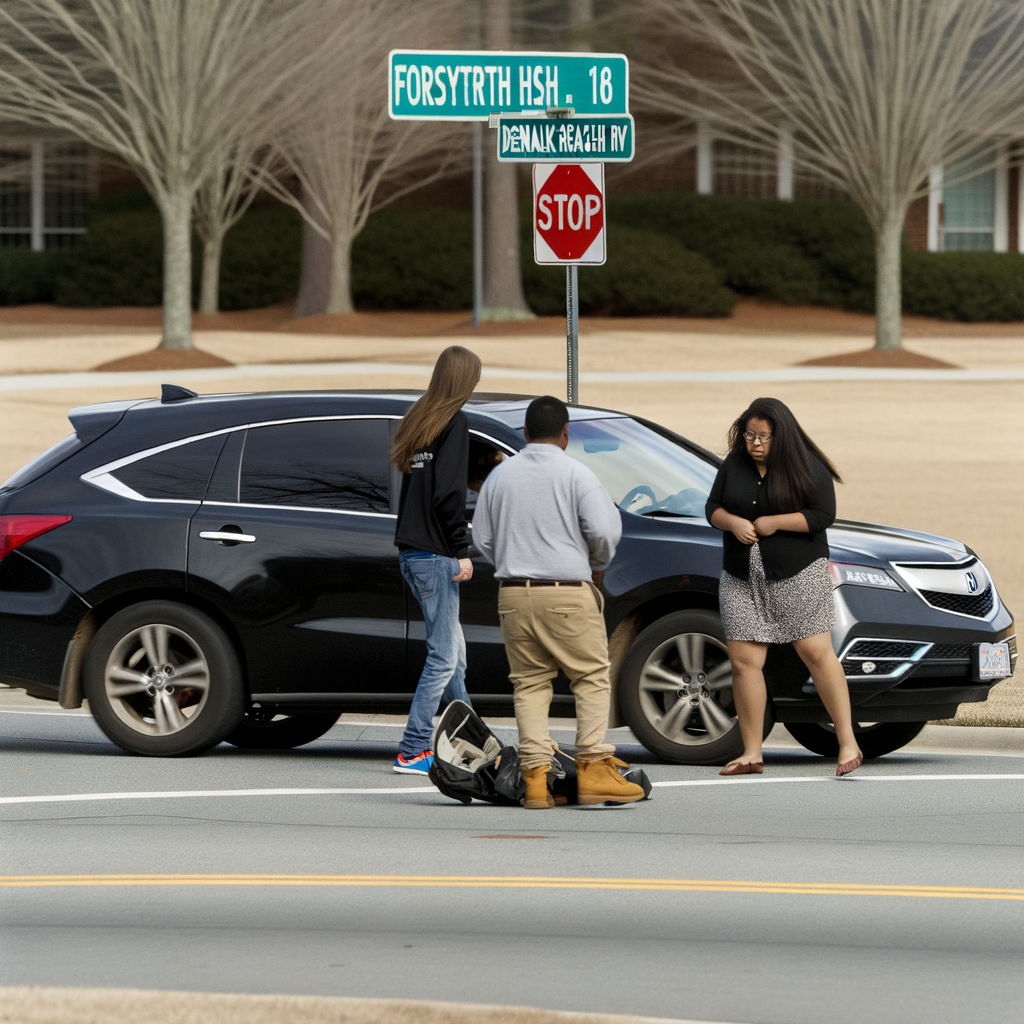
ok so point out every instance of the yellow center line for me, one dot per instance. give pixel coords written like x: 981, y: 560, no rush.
x: 525, y: 882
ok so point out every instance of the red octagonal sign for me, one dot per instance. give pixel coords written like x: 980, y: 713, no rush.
x: 568, y: 213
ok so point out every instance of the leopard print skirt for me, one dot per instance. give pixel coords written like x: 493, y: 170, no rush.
x: 776, y: 611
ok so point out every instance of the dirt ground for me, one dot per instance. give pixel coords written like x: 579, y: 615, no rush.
x: 37, y: 1005
x: 941, y: 456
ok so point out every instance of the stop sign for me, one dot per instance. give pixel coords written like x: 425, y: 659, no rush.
x: 568, y: 213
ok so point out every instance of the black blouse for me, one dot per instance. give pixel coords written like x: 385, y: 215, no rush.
x: 742, y: 491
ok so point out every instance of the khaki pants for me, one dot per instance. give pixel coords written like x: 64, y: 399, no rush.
x: 546, y: 629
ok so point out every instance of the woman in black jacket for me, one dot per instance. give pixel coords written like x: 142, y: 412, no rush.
x: 774, y: 499
x: 431, y: 448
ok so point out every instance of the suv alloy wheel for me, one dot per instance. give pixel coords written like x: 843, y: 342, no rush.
x: 675, y: 690
x: 162, y: 679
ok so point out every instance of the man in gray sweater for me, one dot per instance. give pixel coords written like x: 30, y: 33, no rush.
x: 549, y: 528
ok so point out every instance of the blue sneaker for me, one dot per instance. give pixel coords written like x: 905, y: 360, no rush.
x: 418, y: 764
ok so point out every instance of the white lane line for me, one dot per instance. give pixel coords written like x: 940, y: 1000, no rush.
x: 392, y: 790
x: 185, y: 794
x: 760, y: 780
x: 59, y: 714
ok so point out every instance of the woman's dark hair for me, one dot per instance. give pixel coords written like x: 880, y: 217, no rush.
x: 791, y: 475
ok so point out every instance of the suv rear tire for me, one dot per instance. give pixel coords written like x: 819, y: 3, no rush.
x: 672, y: 712
x: 163, y: 680
x: 256, y: 732
x: 874, y: 740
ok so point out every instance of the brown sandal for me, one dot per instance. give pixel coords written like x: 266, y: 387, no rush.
x: 849, y: 766
x: 743, y: 768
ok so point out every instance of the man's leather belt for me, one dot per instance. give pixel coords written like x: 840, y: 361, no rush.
x: 541, y: 583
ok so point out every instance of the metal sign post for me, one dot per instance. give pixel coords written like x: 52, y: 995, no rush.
x: 572, y: 333
x: 569, y: 229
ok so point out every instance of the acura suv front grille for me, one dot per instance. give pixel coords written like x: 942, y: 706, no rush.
x: 976, y: 605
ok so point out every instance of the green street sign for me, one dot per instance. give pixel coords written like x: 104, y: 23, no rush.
x: 569, y: 140
x: 463, y: 85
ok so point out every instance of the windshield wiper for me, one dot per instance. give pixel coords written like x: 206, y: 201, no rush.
x: 666, y: 512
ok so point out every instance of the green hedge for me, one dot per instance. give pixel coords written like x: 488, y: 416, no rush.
x: 414, y: 259
x: 27, y: 276
x: 423, y: 259
x: 972, y: 286
x: 119, y: 262
x: 646, y: 275
x: 806, y: 251
x: 670, y: 253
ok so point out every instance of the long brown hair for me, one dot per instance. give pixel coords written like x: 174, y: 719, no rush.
x: 456, y: 374
x: 790, y: 475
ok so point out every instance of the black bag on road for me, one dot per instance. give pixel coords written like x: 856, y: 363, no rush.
x: 470, y: 763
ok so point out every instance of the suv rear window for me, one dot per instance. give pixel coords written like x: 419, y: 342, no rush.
x: 179, y: 473
x: 44, y: 463
x: 334, y: 464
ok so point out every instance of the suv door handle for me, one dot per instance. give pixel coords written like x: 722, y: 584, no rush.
x: 226, y: 536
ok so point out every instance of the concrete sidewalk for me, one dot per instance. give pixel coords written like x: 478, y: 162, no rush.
x: 934, y: 739
x: 40, y: 1005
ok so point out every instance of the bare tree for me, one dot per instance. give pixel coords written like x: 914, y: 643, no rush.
x: 221, y: 201
x: 163, y: 84
x: 877, y: 93
x: 337, y: 156
x: 503, y: 276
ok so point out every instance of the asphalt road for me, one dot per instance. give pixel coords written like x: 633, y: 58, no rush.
x: 773, y: 901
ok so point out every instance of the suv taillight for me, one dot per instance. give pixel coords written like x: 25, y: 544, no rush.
x: 17, y: 530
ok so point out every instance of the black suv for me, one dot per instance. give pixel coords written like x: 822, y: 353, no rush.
x: 223, y: 567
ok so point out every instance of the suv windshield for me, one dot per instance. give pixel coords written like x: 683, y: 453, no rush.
x: 645, y: 473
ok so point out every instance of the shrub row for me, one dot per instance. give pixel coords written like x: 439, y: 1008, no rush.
x: 416, y: 259
x: 119, y: 262
x: 670, y: 253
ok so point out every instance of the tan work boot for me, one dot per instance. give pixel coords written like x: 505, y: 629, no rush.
x: 598, y: 782
x: 538, y: 796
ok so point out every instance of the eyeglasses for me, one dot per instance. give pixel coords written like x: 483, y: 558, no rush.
x: 761, y: 439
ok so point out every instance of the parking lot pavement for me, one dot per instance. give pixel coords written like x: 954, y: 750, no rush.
x: 895, y: 895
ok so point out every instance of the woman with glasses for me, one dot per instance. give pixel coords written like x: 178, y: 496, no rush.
x: 774, y: 498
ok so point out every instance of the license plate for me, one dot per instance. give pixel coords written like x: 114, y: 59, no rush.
x: 992, y: 661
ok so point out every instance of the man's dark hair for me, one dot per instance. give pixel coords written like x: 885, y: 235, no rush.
x: 545, y: 417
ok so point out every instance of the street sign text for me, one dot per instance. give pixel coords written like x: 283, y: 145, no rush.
x: 568, y: 213
x: 567, y: 140
x: 460, y: 85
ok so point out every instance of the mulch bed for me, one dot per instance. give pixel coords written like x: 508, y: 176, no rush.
x: 166, y: 359
x: 901, y: 359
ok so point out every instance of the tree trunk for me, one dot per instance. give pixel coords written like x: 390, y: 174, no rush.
x: 888, y: 282
x: 209, y: 287
x: 503, y: 278
x: 339, y: 297
x: 176, y: 211
x: 315, y: 272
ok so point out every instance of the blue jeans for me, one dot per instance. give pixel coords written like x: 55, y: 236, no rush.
x: 444, y: 675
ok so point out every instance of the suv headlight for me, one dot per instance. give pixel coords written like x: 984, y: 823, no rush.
x: 844, y: 573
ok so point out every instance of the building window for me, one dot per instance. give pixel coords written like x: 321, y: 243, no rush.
x: 969, y: 205
x: 743, y: 172
x: 46, y: 186
x: 746, y: 172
